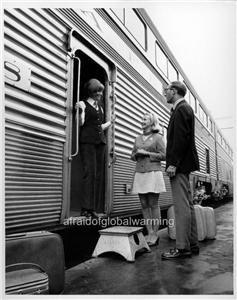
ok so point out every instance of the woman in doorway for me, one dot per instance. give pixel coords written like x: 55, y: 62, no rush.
x: 92, y: 148
x: 148, y: 152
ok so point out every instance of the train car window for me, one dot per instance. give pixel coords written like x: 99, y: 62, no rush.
x: 200, y: 113
x: 193, y: 103
x: 202, y: 116
x: 161, y: 60
x: 210, y: 124
x: 224, y: 144
x: 187, y: 96
x: 172, y: 72
x: 136, y: 26
x: 207, y: 154
x: 180, y: 77
x: 219, y: 138
x: 120, y: 14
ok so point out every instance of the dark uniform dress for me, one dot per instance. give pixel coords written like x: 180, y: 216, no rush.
x: 92, y: 151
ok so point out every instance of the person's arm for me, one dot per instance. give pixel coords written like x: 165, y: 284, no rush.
x: 81, y: 106
x: 109, y: 123
x: 106, y: 125
x: 134, y: 151
x: 159, y: 155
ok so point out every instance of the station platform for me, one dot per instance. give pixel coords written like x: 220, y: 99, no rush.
x: 209, y: 273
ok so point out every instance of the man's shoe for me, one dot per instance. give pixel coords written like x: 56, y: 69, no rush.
x: 176, y: 253
x: 195, y: 250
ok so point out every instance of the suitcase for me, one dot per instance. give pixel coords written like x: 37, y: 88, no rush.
x: 201, y: 222
x: 171, y: 223
x: 42, y: 248
x: 210, y: 222
x: 200, y: 218
x: 26, y: 279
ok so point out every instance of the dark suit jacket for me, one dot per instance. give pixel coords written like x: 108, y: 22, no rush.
x: 181, y: 150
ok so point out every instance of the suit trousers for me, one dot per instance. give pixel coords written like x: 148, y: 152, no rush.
x: 186, y: 226
x: 93, y: 158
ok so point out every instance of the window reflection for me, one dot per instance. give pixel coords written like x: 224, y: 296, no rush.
x: 119, y: 12
x: 135, y: 26
x: 172, y: 73
x: 161, y: 60
x: 133, y: 23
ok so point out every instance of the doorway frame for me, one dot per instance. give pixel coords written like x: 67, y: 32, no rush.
x: 109, y: 101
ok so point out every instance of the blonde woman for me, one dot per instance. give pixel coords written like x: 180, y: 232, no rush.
x: 148, y: 152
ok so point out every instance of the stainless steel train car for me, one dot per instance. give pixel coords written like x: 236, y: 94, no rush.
x: 48, y: 56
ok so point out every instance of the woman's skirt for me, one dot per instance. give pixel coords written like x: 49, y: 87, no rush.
x: 149, y: 182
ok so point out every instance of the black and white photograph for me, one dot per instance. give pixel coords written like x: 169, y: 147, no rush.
x: 118, y: 149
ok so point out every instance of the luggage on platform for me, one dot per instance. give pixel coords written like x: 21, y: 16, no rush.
x: 206, y: 223
x: 42, y: 248
x: 26, y: 279
x: 210, y: 222
x: 201, y: 222
x: 171, y: 223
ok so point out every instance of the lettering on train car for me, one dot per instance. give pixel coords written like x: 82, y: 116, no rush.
x: 17, y: 73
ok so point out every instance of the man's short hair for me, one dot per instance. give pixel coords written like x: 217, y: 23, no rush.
x: 180, y: 87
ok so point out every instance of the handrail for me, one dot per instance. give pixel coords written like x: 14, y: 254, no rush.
x: 77, y: 110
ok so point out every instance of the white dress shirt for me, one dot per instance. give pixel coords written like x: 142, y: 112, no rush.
x: 177, y: 102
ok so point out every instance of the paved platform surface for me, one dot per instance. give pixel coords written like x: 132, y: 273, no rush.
x: 209, y: 273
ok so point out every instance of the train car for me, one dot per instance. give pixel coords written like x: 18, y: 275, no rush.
x: 48, y: 56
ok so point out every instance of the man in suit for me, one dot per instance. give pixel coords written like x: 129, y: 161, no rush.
x: 181, y: 159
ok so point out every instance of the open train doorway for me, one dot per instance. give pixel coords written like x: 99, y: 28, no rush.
x: 86, y: 69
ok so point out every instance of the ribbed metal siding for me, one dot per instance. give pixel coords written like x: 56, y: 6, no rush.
x: 224, y: 164
x: 132, y: 102
x: 212, y: 163
x: 201, y: 148
x: 35, y: 119
x: 204, y: 140
x: 220, y: 168
x: 33, y: 180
